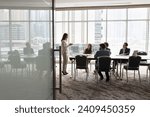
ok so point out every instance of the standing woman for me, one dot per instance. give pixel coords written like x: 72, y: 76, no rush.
x: 64, y: 52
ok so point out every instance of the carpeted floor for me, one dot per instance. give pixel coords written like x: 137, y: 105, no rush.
x: 80, y: 89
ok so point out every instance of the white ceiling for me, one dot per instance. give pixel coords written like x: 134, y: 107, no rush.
x: 83, y: 3
x: 69, y: 3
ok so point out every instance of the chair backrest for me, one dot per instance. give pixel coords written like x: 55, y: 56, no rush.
x: 104, y: 63
x: 134, y: 61
x: 14, y: 58
x: 81, y: 62
x: 1, y: 64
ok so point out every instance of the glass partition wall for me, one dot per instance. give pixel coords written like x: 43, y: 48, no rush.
x: 115, y: 26
x: 26, y: 54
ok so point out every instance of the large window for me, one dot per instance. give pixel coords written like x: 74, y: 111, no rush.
x: 116, y: 35
x: 116, y: 14
x: 20, y: 26
x: 115, y: 26
x: 137, y: 35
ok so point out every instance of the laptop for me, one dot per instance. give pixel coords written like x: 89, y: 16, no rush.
x: 135, y: 53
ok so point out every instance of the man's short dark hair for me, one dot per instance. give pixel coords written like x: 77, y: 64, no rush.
x: 102, y: 45
x: 106, y: 44
x: 126, y: 43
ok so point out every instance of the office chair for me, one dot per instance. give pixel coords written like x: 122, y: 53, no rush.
x: 81, y: 62
x: 103, y: 63
x: 133, y: 64
x: 16, y: 63
x: 144, y: 62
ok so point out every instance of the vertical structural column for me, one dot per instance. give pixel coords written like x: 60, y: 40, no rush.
x: 147, y: 31
x: 127, y: 25
x: 10, y: 35
x: 53, y: 57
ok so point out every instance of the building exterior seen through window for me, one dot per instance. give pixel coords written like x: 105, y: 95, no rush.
x: 115, y: 26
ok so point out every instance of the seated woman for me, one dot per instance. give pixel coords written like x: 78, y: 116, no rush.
x: 88, y: 50
x: 28, y: 50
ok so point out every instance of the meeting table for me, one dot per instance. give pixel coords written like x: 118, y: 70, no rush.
x: 118, y: 58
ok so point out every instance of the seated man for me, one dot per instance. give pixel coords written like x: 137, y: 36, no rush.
x: 43, y: 59
x: 28, y: 50
x: 124, y: 50
x: 45, y: 50
x: 102, y: 52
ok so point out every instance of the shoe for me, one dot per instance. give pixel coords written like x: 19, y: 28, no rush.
x: 107, y: 80
x: 94, y: 72
x: 64, y: 73
x: 101, y: 78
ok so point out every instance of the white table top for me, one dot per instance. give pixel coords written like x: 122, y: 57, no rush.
x: 91, y: 56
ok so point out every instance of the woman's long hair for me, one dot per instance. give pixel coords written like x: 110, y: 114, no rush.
x: 88, y: 50
x: 90, y: 46
x: 64, y: 37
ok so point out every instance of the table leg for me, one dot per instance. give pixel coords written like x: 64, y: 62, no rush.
x: 117, y: 70
x: 120, y: 70
x: 71, y: 69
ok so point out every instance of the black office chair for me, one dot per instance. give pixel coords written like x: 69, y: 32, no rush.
x: 2, y: 66
x: 103, y: 63
x: 148, y: 74
x: 16, y: 63
x: 81, y: 62
x: 144, y: 62
x: 133, y: 64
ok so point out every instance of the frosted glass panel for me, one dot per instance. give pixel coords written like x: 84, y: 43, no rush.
x: 26, y: 55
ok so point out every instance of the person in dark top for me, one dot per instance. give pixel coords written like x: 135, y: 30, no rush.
x: 102, y: 52
x: 28, y: 50
x: 88, y: 50
x: 45, y: 50
x: 125, y: 50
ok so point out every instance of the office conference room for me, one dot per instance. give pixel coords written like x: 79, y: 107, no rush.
x: 39, y: 27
